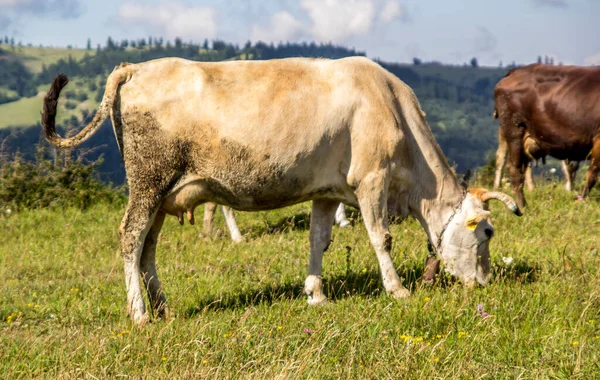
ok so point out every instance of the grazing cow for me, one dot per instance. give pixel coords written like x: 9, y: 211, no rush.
x: 259, y: 135
x: 533, y: 152
x: 209, y: 215
x: 558, y: 109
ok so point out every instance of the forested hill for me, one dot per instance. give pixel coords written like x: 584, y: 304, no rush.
x: 457, y: 99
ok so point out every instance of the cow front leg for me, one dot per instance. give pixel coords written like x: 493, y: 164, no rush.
x: 372, y: 199
x: 516, y: 180
x: 156, y: 295
x: 234, y: 231
x: 517, y: 170
x: 209, y: 216
x: 321, y: 223
x: 136, y: 223
x: 340, y: 216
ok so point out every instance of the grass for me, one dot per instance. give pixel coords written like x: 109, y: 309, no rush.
x: 240, y: 311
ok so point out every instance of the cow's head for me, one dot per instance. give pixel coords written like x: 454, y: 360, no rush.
x: 465, y: 242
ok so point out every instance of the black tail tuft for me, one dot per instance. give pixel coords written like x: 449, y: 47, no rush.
x: 50, y: 106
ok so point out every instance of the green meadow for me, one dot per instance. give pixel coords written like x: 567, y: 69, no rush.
x: 35, y: 57
x: 240, y: 311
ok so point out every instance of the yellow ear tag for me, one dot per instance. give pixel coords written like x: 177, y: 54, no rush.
x: 472, y: 222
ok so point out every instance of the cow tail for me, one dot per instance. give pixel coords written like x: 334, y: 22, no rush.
x: 495, y: 114
x: 51, y: 103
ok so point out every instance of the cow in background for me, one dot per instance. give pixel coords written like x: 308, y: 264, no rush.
x: 558, y: 109
x: 533, y: 152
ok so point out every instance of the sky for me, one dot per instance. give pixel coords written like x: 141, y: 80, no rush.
x: 448, y: 31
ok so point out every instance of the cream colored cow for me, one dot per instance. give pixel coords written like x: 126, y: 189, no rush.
x: 209, y: 215
x: 259, y: 135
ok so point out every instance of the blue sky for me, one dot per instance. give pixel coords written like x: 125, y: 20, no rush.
x: 450, y: 31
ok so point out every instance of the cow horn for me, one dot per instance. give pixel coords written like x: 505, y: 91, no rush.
x: 507, y: 200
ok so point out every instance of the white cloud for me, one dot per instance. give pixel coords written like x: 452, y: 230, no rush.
x: 552, y: 3
x: 171, y: 19
x: 283, y: 27
x: 337, y: 20
x: 62, y: 8
x: 330, y: 20
x: 391, y: 11
x: 592, y: 60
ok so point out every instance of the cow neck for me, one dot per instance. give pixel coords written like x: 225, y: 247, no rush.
x: 434, y: 210
x: 435, y: 214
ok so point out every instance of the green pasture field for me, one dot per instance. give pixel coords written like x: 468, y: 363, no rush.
x: 34, y: 57
x: 240, y: 311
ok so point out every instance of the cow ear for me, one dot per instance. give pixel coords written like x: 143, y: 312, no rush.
x: 465, y: 181
x: 474, y: 219
x: 472, y: 222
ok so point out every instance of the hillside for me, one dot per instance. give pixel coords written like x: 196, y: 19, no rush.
x: 36, y: 57
x: 457, y: 99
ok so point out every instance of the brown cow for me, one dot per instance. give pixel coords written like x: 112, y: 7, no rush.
x: 558, y: 107
x: 533, y: 152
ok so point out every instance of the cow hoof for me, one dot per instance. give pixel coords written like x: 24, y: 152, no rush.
x: 400, y: 293
x: 345, y: 223
x: 317, y: 301
x: 313, y: 287
x: 142, y: 320
x: 165, y: 314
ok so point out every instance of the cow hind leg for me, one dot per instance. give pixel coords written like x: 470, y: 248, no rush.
x: 156, y: 296
x: 529, y: 182
x: 340, y: 216
x: 501, y: 154
x: 373, y: 206
x: 570, y: 171
x: 592, y: 173
x: 234, y: 231
x: 321, y: 223
x: 136, y: 224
